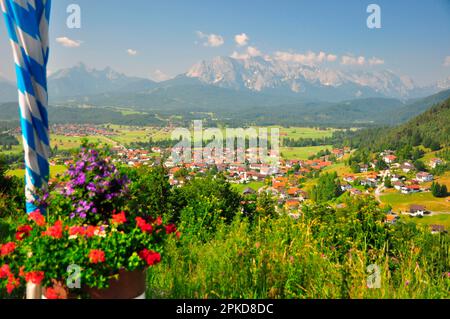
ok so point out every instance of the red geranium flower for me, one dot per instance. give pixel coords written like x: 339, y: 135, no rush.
x: 7, y: 248
x: 5, y: 271
x: 22, y: 272
x: 159, y: 221
x: 150, y: 257
x: 12, y: 284
x: 37, y: 217
x: 143, y: 225
x: 171, y: 228
x: 96, y: 256
x: 23, y: 231
x: 35, y: 277
x: 55, y: 293
x: 76, y: 230
x: 119, y: 218
x: 54, y: 231
x: 90, y: 231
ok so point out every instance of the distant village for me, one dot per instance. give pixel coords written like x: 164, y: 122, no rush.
x: 282, y: 178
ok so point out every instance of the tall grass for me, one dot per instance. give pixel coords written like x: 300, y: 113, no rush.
x: 283, y: 258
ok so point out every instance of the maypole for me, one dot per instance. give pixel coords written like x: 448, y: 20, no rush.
x: 27, y: 24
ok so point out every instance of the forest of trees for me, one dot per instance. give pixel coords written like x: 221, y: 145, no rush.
x: 430, y: 129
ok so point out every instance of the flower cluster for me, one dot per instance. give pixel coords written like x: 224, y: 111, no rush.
x: 96, y: 256
x: 93, y: 185
x: 101, y: 250
x: 143, y: 225
x: 150, y: 257
x: 88, y: 225
x: 7, y: 249
x: 11, y: 281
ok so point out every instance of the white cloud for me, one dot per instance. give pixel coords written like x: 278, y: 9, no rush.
x: 331, y: 57
x: 241, y: 39
x: 249, y: 52
x: 351, y: 60
x: 132, y: 52
x: 159, y: 76
x: 252, y: 51
x: 68, y: 43
x: 309, y: 58
x: 376, y: 61
x: 447, y: 60
x: 211, y: 40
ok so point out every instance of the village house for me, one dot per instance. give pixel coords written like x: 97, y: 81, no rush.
x: 346, y: 187
x: 339, y: 153
x: 349, y: 178
x: 424, y: 177
x: 434, y: 162
x: 293, y: 191
x: 391, y: 218
x: 292, y: 204
x: 410, y: 189
x: 368, y: 182
x: 398, y: 185
x: 437, y: 229
x: 363, y: 168
x: 407, y: 167
x: 389, y: 159
x: 417, y: 210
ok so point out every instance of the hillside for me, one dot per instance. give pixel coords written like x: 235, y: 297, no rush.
x: 430, y: 127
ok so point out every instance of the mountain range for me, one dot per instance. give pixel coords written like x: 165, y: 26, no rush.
x: 253, y: 87
x: 255, y: 75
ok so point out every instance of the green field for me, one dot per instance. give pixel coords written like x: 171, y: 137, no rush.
x: 441, y: 219
x: 54, y: 170
x: 127, y: 135
x: 70, y: 142
x: 401, y: 202
x: 340, y: 168
x: 62, y: 142
x: 14, y: 150
x: 253, y: 185
x: 302, y: 153
x: 305, y: 132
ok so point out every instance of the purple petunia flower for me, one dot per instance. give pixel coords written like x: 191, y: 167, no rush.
x: 91, y: 187
x: 80, y: 180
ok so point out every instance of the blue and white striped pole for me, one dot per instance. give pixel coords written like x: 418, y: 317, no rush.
x: 27, y: 24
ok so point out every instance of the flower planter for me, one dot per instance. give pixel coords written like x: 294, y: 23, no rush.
x: 129, y: 285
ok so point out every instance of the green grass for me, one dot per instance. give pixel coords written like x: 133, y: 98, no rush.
x: 302, y: 153
x: 340, y: 168
x: 253, y: 185
x: 127, y: 136
x: 305, y: 132
x: 441, y: 219
x: 54, y: 170
x: 15, y: 149
x: 401, y: 202
x: 280, y: 258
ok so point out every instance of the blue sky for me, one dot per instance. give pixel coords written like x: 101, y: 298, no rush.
x: 169, y: 36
